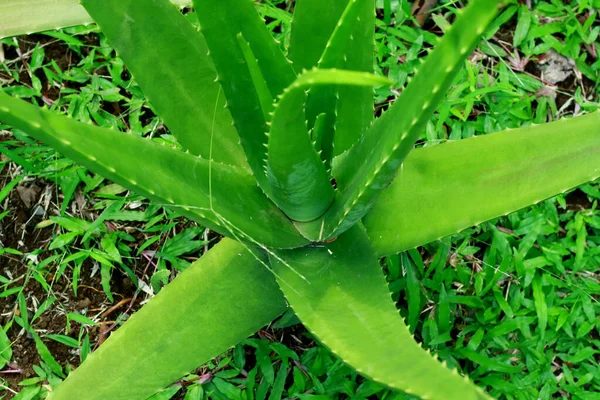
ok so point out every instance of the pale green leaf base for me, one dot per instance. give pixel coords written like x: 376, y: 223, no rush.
x: 18, y: 17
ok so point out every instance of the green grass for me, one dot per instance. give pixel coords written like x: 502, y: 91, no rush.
x: 513, y: 302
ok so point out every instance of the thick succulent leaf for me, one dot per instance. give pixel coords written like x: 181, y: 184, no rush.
x: 372, y: 163
x: 300, y: 184
x: 217, y: 302
x: 20, y: 17
x: 222, y: 197
x: 262, y: 89
x: 342, y: 298
x: 316, y: 133
x: 348, y: 110
x: 169, y: 60
x: 355, y: 104
x: 221, y: 22
x: 312, y: 26
x: 442, y: 189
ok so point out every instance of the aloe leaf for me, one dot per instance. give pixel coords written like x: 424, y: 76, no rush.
x: 23, y: 17
x: 217, y: 302
x: 355, y: 104
x: 299, y: 181
x: 349, y: 109
x: 339, y: 292
x: 312, y: 25
x: 372, y: 163
x: 316, y: 133
x: 221, y: 22
x: 170, y: 62
x: 443, y: 189
x: 19, y: 17
x: 262, y: 90
x: 222, y: 197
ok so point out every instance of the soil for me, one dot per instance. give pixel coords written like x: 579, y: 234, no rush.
x: 18, y: 232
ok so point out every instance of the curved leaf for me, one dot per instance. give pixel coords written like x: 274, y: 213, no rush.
x: 443, y: 189
x: 169, y: 59
x: 222, y: 197
x: 227, y: 18
x: 343, y: 299
x: 299, y: 181
x: 312, y: 26
x: 221, y: 22
x: 370, y: 166
x: 348, y: 109
x: 217, y: 302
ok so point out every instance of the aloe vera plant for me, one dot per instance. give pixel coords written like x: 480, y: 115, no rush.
x: 285, y: 159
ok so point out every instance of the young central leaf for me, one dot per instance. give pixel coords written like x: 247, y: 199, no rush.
x: 234, y: 31
x: 295, y: 171
x: 373, y: 162
x: 298, y: 178
x: 348, y: 110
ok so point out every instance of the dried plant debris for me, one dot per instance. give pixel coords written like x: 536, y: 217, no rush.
x: 555, y: 68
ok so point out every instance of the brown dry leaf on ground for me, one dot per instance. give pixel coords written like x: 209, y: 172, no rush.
x: 421, y: 8
x: 28, y: 194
